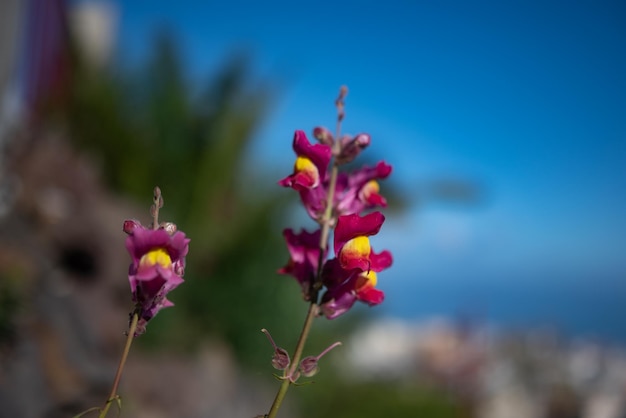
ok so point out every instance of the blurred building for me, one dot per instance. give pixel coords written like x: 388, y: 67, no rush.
x: 527, y: 374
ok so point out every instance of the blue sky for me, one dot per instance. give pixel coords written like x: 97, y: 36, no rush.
x: 525, y: 98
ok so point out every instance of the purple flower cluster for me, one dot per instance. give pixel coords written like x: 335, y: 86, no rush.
x: 352, y: 274
x: 157, y: 267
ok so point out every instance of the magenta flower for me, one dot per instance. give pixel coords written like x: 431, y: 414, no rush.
x: 352, y: 245
x: 361, y: 286
x: 337, y: 302
x: 304, y: 258
x: 359, y: 190
x: 158, y: 264
x: 351, y: 276
x: 311, y: 163
x: 355, y: 192
x: 345, y: 287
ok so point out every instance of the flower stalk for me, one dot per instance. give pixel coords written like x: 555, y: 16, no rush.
x: 290, y: 371
x: 313, y: 306
x: 339, y: 201
x: 118, y: 375
x: 157, y: 267
x: 315, y: 285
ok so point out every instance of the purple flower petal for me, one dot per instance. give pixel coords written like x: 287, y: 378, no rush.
x: 158, y: 260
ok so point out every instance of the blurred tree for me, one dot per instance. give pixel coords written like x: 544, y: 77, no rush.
x: 150, y: 130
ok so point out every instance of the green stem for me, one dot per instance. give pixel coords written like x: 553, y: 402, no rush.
x: 282, y: 391
x: 120, y: 367
x: 278, y: 400
x: 313, y: 307
x: 317, y: 285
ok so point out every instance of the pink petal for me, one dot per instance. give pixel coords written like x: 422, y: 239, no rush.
x: 352, y: 226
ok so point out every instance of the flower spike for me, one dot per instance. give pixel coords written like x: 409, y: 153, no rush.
x: 340, y: 201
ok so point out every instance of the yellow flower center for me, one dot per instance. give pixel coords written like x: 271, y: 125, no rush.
x: 306, y: 166
x: 358, y: 247
x: 158, y: 256
x: 303, y: 164
x: 370, y: 188
x: 367, y: 278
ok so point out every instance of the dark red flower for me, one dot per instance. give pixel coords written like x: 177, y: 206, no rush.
x: 304, y: 250
x: 311, y: 163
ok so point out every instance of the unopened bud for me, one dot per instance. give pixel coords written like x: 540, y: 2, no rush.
x: 130, y: 225
x: 339, y: 103
x: 352, y: 147
x: 158, y: 198
x: 362, y: 140
x: 280, y: 359
x: 308, y: 366
x: 179, y: 268
x: 323, y: 135
x: 169, y: 227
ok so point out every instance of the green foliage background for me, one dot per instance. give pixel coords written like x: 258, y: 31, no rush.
x: 148, y: 129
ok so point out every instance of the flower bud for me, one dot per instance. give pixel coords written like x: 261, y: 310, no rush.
x: 323, y: 135
x: 352, y: 147
x: 280, y: 359
x: 179, y: 268
x: 169, y: 227
x: 130, y: 225
x: 158, y: 197
x: 308, y: 366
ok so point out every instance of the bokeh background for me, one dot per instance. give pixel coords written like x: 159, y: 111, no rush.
x: 506, y: 126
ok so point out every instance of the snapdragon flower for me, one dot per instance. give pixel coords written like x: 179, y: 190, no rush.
x: 335, y: 200
x: 351, y: 275
x: 360, y: 190
x: 157, y: 267
x: 310, y: 166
